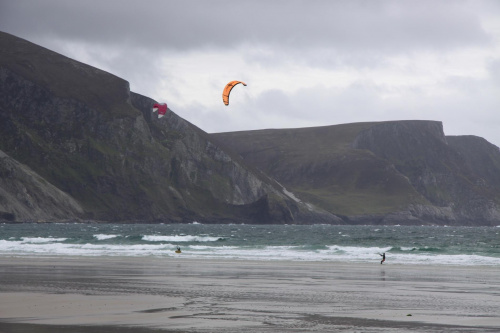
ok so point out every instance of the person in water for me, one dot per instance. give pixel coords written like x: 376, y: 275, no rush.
x: 383, y: 257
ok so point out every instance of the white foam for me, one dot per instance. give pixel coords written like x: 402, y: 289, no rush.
x: 180, y: 238
x: 217, y: 250
x: 42, y: 239
x: 20, y: 248
x: 104, y: 237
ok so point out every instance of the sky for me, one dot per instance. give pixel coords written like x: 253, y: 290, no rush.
x: 305, y: 63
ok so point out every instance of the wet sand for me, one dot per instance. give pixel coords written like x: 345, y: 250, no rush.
x: 175, y: 294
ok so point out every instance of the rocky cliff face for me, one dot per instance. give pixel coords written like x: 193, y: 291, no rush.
x: 404, y: 172
x: 448, y: 176
x: 81, y: 131
x: 26, y: 196
x: 480, y: 156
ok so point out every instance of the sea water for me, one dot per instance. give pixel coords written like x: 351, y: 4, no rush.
x: 402, y: 244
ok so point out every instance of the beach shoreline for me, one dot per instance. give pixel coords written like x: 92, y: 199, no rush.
x: 174, y: 294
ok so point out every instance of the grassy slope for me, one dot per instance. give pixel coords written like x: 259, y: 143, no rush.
x: 319, y: 165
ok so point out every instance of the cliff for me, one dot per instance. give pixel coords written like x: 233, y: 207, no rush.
x: 399, y: 172
x: 26, y: 196
x: 106, y: 157
x: 77, y: 145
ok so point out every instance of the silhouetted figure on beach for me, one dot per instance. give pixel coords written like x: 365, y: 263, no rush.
x: 383, y: 257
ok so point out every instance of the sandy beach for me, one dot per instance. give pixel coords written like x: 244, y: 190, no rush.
x: 174, y: 294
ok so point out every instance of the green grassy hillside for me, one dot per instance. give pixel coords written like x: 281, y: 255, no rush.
x: 319, y: 165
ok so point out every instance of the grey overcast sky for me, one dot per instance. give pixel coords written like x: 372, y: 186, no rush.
x: 306, y: 63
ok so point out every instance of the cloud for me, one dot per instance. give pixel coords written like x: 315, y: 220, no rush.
x: 494, y: 71
x: 306, y: 63
x: 292, y: 24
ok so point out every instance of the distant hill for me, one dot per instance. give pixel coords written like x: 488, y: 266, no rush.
x: 397, y: 172
x: 77, y: 144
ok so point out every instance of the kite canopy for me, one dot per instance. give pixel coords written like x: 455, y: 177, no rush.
x: 227, y: 90
x: 161, y: 108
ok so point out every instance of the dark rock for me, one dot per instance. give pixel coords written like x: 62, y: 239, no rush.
x: 81, y: 131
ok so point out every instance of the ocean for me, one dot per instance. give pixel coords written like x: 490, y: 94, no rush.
x: 420, y: 245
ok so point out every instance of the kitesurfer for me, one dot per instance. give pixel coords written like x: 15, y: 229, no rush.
x: 383, y: 257
x: 227, y: 90
x: 161, y: 108
x: 178, y: 249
